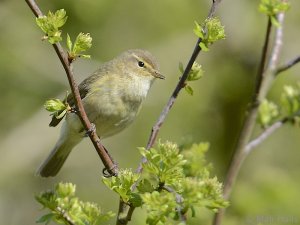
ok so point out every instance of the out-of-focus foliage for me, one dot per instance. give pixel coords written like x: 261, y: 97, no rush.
x: 195, y: 73
x: 65, y: 207
x: 272, y: 8
x: 289, y: 107
x: 51, y: 23
x: 267, y: 113
x: 210, y: 32
x: 170, y: 185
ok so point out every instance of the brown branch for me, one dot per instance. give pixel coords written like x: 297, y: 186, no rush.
x: 264, y: 81
x: 180, y: 84
x: 288, y: 65
x: 106, y: 159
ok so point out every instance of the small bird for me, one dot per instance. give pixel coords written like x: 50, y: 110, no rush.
x: 111, y: 96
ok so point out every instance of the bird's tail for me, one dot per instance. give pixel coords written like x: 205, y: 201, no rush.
x: 51, y: 166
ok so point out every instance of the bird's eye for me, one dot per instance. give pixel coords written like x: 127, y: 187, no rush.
x: 141, y: 64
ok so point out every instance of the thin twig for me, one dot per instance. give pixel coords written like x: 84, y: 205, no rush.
x: 264, y: 81
x: 179, y: 201
x: 264, y: 135
x: 107, y: 161
x: 288, y: 65
x: 170, y: 103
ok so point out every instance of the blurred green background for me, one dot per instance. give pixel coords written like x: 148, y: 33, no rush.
x: 30, y: 73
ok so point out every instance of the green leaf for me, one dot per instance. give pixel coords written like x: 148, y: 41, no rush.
x: 210, y: 32
x: 273, y: 7
x: 82, y: 43
x: 51, y: 23
x: 69, y: 43
x: 267, y: 113
x: 203, y: 46
x: 195, y: 156
x: 215, y: 30
x: 135, y: 200
x: 189, y: 90
x: 199, y: 30
x: 59, y: 18
x: 290, y: 100
x: 57, y: 107
x: 122, y: 183
x: 159, y: 206
x: 64, y: 206
x: 53, y: 105
x: 180, y: 67
x: 45, y: 218
x: 195, y: 73
x: 145, y: 186
x: 164, y: 165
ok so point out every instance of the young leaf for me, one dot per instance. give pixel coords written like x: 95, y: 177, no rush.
x: 122, y: 183
x: 82, y: 43
x: 51, y: 23
x: 196, y: 72
x: 267, y: 113
x: 69, y: 43
x: 65, y: 207
x: 272, y: 7
x: 210, y: 32
x: 189, y: 90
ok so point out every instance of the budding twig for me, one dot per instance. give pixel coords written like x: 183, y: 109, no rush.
x: 106, y: 159
x: 170, y: 103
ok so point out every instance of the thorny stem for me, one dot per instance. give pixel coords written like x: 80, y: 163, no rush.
x: 106, y: 159
x: 264, y: 81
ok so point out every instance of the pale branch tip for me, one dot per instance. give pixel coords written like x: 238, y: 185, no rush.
x: 288, y: 65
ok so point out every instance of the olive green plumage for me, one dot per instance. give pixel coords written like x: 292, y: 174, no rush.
x: 111, y: 96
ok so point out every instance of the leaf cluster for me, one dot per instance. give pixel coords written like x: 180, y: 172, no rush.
x: 50, y: 25
x: 195, y: 73
x: 57, y: 107
x: 209, y: 32
x: 272, y: 7
x: 173, y: 183
x: 122, y: 185
x: 66, y: 208
x: 82, y: 43
x: 289, y: 107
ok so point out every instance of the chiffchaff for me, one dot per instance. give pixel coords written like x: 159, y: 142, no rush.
x: 111, y: 97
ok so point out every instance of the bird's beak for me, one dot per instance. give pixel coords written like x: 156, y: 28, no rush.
x: 157, y: 74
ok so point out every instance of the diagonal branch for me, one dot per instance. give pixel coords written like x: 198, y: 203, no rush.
x: 165, y: 112
x: 180, y: 84
x: 106, y: 159
x: 288, y: 65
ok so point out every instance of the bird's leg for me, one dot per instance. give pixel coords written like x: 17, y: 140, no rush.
x: 113, y: 171
x: 91, y: 130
